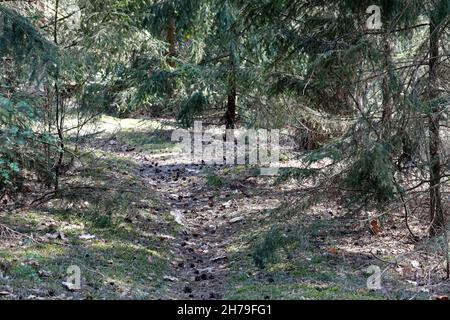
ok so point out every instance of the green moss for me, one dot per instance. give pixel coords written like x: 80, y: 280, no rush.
x: 299, y: 292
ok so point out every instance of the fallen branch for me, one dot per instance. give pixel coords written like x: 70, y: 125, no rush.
x: 7, y: 233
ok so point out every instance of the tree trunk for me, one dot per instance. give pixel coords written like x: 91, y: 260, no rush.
x: 387, y: 99
x: 171, y: 40
x: 59, y: 117
x: 436, y: 210
x: 230, y: 119
x: 230, y: 115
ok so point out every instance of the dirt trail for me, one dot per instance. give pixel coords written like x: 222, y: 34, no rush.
x: 208, y: 219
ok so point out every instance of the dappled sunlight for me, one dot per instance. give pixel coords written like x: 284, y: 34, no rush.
x: 209, y: 150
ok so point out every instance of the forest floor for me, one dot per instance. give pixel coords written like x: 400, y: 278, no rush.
x: 141, y: 223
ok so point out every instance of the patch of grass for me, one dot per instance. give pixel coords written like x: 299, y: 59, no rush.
x: 147, y: 141
x: 229, y: 176
x: 214, y: 181
x: 265, y: 252
x: 298, y: 174
x: 122, y: 262
x: 24, y: 272
x: 289, y: 249
x: 105, y: 197
x: 109, y: 125
x: 109, y: 268
x: 299, y: 292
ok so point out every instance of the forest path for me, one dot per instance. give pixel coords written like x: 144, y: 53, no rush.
x: 208, y: 217
x: 164, y: 227
x: 230, y: 233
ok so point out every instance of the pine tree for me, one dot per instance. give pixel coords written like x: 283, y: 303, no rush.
x: 383, y: 88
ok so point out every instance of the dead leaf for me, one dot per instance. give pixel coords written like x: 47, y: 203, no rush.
x: 56, y: 235
x: 178, y: 216
x: 70, y: 286
x: 27, y: 189
x: 175, y: 197
x: 163, y: 237
x: 227, y: 204
x: 333, y: 250
x: 87, y: 236
x: 405, y: 271
x: 237, y: 219
x: 33, y: 263
x: 441, y: 298
x: 218, y: 258
x: 375, y: 226
x: 44, y: 273
x: 171, y: 279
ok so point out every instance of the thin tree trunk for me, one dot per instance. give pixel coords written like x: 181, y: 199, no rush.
x: 230, y: 115
x: 58, y: 116
x: 231, y: 110
x: 171, y: 40
x: 436, y: 210
x: 387, y: 99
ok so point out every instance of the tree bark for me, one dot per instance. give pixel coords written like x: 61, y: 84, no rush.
x: 171, y: 40
x: 387, y: 96
x: 59, y: 117
x: 436, y: 210
x: 230, y: 115
x: 230, y: 119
